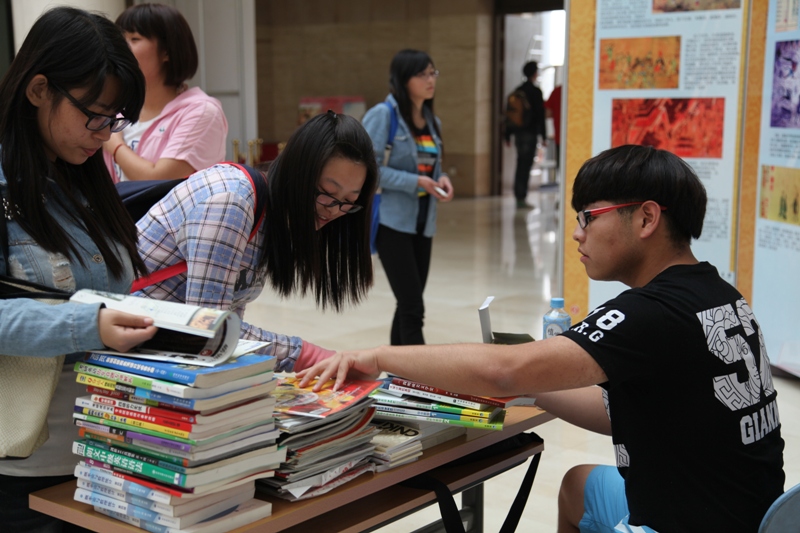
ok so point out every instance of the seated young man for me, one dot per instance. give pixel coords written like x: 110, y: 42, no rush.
x: 685, y: 388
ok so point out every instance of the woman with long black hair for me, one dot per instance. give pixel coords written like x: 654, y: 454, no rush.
x: 412, y: 183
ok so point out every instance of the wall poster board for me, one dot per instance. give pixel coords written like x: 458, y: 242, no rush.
x: 669, y: 74
x: 776, y: 262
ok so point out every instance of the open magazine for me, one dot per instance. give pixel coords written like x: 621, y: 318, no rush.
x: 186, y: 334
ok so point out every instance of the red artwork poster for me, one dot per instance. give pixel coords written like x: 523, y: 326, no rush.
x: 687, y: 127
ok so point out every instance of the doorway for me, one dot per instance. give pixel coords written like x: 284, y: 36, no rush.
x: 523, y: 37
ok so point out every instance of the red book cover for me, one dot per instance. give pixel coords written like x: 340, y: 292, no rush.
x: 291, y: 399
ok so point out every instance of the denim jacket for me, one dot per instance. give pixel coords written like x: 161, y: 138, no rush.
x: 399, y: 201
x: 31, y: 328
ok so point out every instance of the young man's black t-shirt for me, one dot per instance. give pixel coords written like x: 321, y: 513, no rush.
x: 693, y: 409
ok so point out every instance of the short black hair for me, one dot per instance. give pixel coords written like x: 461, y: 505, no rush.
x: 530, y: 69
x: 167, y: 26
x: 633, y: 173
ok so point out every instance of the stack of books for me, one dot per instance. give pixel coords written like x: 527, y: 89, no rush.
x: 413, y: 402
x: 398, y: 444
x: 327, y: 435
x: 175, y: 447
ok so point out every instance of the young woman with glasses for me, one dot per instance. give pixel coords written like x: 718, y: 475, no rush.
x: 73, y: 82
x: 313, y: 238
x: 412, y: 183
x: 181, y: 129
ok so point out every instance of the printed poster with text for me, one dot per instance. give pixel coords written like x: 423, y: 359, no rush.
x: 668, y: 75
x: 776, y: 290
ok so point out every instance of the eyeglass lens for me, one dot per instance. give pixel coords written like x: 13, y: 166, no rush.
x: 327, y: 200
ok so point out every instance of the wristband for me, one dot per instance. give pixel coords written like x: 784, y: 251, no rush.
x: 114, y: 153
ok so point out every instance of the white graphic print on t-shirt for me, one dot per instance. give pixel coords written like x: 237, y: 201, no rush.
x: 736, y: 395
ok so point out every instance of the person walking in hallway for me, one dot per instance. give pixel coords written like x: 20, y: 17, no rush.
x: 525, y: 120
x: 412, y: 184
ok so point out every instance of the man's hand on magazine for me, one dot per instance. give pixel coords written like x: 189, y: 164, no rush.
x: 123, y: 331
x: 361, y: 364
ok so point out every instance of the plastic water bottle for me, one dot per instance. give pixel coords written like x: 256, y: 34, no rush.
x: 556, y: 320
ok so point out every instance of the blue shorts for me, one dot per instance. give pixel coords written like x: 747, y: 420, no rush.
x: 605, y: 505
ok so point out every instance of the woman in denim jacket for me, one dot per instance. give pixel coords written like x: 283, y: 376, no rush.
x: 73, y: 82
x: 412, y: 183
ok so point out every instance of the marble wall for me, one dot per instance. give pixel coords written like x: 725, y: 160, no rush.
x: 319, y: 48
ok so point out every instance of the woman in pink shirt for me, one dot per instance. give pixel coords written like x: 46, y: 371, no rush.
x: 180, y: 130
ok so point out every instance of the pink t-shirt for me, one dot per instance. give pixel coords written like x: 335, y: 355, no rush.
x: 191, y: 128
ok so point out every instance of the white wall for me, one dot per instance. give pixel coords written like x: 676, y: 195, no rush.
x: 25, y: 12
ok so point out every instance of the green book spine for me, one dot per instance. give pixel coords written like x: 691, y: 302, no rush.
x: 85, y: 449
x: 179, y: 461
x: 132, y: 380
x: 118, y: 425
x: 466, y: 423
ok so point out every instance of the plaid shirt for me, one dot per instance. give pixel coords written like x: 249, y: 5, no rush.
x: 206, y: 221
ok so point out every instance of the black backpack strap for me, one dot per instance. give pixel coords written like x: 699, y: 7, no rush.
x: 139, y: 196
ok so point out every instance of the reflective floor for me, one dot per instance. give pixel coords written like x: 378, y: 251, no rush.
x: 487, y: 247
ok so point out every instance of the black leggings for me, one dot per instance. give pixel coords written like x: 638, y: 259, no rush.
x: 17, y: 517
x: 406, y: 259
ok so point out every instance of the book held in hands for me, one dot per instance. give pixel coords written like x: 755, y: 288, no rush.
x: 186, y: 333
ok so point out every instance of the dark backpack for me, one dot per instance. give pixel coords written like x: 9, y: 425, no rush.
x: 139, y: 196
x: 518, y: 111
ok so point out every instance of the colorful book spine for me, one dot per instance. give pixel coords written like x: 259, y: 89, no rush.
x: 112, y: 440
x: 105, y: 384
x: 143, y: 457
x: 138, y: 501
x: 132, y: 398
x: 156, y: 399
x: 476, y: 400
x: 429, y: 414
x: 96, y: 400
x: 390, y: 399
x: 435, y: 397
x: 101, y: 473
x: 95, y: 453
x: 465, y: 423
x: 112, y: 504
x: 182, y: 373
x: 135, y: 425
x: 129, y: 435
x: 131, y: 380
x: 138, y: 422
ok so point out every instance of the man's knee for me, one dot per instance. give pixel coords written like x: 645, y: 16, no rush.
x: 570, y: 495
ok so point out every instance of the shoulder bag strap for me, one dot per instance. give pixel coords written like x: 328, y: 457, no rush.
x: 387, y: 150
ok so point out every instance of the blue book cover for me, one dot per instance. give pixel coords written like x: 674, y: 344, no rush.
x: 191, y: 375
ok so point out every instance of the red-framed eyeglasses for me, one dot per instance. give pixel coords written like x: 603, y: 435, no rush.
x: 584, y: 217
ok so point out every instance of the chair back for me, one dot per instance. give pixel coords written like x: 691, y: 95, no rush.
x: 783, y: 516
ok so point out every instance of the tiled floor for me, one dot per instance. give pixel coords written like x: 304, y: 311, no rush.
x: 486, y: 247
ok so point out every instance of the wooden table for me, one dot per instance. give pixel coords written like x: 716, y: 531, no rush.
x: 365, y: 503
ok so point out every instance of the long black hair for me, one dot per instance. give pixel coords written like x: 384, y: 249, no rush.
x: 405, y: 65
x: 334, y: 262
x: 73, y: 49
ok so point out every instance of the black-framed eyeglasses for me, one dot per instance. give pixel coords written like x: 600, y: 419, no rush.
x: 425, y: 74
x: 584, y: 217
x: 326, y: 200
x: 96, y: 121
